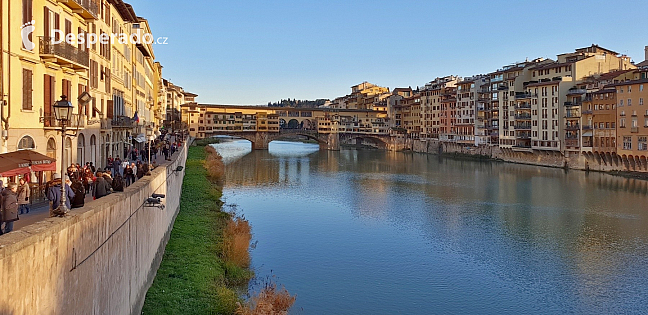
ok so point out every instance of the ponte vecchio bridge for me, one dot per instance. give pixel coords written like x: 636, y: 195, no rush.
x: 261, y: 125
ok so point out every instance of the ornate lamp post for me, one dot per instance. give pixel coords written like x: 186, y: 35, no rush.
x: 63, y: 114
x: 149, y: 136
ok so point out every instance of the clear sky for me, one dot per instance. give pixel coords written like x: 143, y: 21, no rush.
x: 253, y: 52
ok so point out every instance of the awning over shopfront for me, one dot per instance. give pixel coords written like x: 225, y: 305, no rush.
x: 21, y: 162
x: 140, y: 138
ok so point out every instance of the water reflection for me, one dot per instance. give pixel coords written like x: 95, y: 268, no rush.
x: 469, y: 236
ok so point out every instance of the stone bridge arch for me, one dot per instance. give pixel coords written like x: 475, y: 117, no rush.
x: 381, y: 141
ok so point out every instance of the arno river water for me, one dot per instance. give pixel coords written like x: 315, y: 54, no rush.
x: 375, y: 232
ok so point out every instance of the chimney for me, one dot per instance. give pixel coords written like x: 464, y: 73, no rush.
x: 646, y: 50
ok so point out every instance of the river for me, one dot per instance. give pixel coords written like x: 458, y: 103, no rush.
x: 376, y: 232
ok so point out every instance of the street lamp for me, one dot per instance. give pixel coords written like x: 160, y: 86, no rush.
x: 149, y: 135
x: 62, y: 113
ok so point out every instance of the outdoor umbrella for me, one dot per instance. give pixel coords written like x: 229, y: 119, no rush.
x: 20, y: 162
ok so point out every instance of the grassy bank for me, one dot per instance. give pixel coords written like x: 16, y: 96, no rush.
x: 193, y: 278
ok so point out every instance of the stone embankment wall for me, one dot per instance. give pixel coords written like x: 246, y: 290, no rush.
x: 101, y: 259
x: 572, y: 160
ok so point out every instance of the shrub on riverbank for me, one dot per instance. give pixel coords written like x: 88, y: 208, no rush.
x: 206, y: 142
x: 214, y: 165
x: 236, y: 242
x: 270, y: 301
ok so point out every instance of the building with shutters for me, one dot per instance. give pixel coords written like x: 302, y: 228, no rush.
x: 122, y: 77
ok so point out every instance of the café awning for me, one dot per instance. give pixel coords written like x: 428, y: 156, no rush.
x: 21, y: 162
x: 140, y: 138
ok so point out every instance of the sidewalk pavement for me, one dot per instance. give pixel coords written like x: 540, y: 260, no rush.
x: 40, y: 211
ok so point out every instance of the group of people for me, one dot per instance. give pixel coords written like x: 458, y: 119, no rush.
x: 14, y: 200
x: 81, y: 181
x: 162, y: 145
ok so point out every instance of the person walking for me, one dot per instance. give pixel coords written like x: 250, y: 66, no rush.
x: 101, y: 187
x: 79, y: 194
x: 165, y: 151
x: 129, y: 175
x: 54, y: 195
x: 116, y: 166
x: 118, y: 183
x: 9, y: 208
x: 123, y: 166
x: 24, y: 193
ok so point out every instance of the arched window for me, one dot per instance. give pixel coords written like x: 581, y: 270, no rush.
x: 26, y: 143
x: 51, y: 144
x: 81, y: 158
x: 93, y: 149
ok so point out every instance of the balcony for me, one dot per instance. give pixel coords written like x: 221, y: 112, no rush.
x: 502, y: 87
x: 569, y: 104
x: 571, y: 142
x: 523, y: 117
x: 572, y: 127
x: 50, y: 122
x: 63, y: 54
x: 523, y: 127
x: 523, y: 106
x: 586, y: 112
x: 522, y: 136
x: 88, y: 9
x: 122, y: 122
x: 573, y: 91
x: 587, y: 127
x: 521, y: 96
x: 572, y: 115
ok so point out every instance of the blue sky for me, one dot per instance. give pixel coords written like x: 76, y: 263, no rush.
x: 253, y: 52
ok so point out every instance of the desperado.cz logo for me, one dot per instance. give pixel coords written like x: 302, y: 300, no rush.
x: 58, y: 37
x: 25, y: 33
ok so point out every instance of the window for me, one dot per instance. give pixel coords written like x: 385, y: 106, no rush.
x: 641, y: 101
x: 642, y: 143
x: 26, y: 143
x: 629, y: 102
x: 620, y: 103
x: 641, y: 88
x: 630, y: 89
x: 27, y: 90
x: 627, y: 143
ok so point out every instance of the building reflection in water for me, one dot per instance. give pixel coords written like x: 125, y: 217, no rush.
x: 596, y: 224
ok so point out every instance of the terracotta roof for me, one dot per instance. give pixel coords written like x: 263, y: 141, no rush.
x: 584, y: 49
x: 642, y: 64
x: 612, y: 75
x: 544, y: 83
x: 604, y: 90
x: 630, y: 82
x: 552, y: 65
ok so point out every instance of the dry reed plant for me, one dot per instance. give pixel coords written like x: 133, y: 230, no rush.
x: 270, y: 301
x: 214, y: 165
x: 236, y: 241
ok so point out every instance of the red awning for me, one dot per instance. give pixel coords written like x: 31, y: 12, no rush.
x: 21, y: 162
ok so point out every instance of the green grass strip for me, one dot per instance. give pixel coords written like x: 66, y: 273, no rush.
x: 191, y: 278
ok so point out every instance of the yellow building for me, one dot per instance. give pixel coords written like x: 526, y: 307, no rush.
x: 36, y: 72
